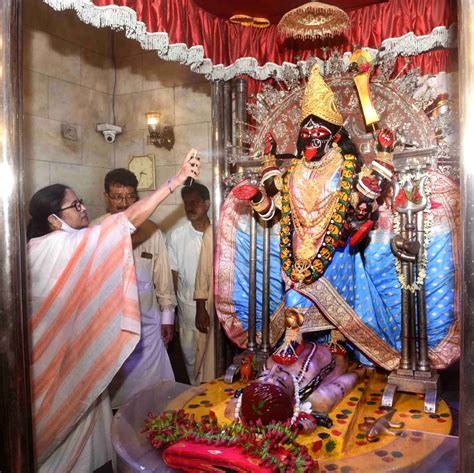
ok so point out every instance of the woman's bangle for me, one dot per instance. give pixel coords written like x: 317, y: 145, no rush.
x: 170, y: 187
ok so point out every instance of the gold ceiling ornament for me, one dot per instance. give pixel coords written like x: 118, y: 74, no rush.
x: 319, y: 100
x: 245, y: 20
x: 314, y: 20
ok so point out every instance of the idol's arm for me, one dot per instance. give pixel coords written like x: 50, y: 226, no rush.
x: 261, y: 198
x: 328, y: 396
x: 372, y: 182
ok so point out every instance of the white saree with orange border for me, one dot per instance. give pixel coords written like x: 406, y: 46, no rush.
x: 84, y: 323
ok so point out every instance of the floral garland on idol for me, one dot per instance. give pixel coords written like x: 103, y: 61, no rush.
x: 257, y: 440
x: 316, y: 266
x: 427, y: 227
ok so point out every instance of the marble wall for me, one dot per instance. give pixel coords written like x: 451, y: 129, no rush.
x: 146, y: 83
x: 71, y: 71
x: 68, y: 78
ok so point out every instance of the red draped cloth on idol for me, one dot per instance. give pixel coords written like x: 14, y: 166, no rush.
x: 224, y: 42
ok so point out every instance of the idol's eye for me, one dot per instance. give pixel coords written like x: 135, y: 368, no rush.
x: 320, y: 133
x: 305, y: 133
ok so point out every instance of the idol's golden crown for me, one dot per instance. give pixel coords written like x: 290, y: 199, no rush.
x: 319, y: 100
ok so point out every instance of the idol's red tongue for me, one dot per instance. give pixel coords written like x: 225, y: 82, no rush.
x: 310, y: 154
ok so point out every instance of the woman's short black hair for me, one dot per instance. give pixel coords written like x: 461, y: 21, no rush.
x: 45, y: 202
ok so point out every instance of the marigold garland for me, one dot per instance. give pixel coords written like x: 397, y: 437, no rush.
x: 323, y: 257
x: 257, y: 440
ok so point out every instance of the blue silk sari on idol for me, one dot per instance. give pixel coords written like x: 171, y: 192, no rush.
x: 359, y: 293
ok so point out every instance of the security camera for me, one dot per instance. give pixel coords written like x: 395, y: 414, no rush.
x: 109, y: 131
x: 109, y: 136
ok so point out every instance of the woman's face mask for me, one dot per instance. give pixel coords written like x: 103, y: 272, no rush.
x: 65, y: 226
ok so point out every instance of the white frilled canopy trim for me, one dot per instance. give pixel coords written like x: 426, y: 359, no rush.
x: 125, y: 19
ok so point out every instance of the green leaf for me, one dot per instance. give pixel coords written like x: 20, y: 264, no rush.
x: 330, y: 445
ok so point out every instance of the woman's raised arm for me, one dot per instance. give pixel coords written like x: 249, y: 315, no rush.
x: 141, y: 210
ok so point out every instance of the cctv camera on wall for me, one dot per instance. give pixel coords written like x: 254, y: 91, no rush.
x: 109, y: 131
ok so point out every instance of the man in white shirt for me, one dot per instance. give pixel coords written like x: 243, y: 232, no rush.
x: 184, y: 247
x: 149, y: 363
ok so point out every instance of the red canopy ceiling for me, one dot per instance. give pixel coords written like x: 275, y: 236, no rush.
x: 180, y: 30
x: 270, y: 9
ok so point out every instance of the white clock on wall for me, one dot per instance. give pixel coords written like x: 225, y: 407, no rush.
x: 144, y: 168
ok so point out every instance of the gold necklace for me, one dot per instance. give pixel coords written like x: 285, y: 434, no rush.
x: 324, y: 210
x: 308, y: 270
x: 325, y: 161
x: 310, y: 188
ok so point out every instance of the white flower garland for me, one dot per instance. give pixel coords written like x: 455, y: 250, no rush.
x: 296, y: 393
x: 125, y: 18
x: 427, y: 227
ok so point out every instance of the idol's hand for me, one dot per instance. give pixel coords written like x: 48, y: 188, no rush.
x: 385, y: 139
x: 270, y: 144
x: 307, y: 424
x: 191, y: 167
x: 246, y: 192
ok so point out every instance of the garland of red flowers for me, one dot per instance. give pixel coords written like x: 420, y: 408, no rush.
x: 320, y: 261
x: 257, y: 440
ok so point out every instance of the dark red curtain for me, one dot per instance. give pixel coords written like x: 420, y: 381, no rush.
x: 224, y: 42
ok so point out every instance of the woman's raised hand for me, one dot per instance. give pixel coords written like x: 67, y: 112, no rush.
x: 191, y: 167
x: 138, y: 212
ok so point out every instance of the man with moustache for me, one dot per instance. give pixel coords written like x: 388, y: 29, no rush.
x: 149, y: 363
x: 184, y: 247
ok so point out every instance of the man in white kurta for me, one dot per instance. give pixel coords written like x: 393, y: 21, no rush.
x: 149, y: 363
x: 184, y: 247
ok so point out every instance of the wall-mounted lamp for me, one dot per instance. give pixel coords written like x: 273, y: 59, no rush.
x: 160, y: 136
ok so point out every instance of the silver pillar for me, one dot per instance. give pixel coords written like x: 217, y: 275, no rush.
x: 240, y: 86
x: 218, y: 166
x: 266, y: 290
x: 252, y: 330
x: 240, y: 111
x: 16, y: 446
x: 466, y: 113
x: 228, y: 123
x: 218, y: 156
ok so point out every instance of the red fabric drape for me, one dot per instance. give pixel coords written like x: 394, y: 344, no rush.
x: 224, y: 42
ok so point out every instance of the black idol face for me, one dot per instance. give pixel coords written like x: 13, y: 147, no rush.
x: 314, y: 138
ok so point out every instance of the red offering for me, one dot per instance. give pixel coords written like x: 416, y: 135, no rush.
x: 197, y: 457
x: 245, y: 192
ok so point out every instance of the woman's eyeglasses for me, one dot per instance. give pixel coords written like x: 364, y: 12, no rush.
x: 78, y: 204
x: 119, y: 197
